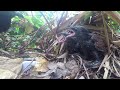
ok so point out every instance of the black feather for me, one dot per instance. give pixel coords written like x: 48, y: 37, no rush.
x: 82, y: 43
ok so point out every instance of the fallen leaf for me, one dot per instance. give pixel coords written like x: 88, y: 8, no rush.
x: 41, y: 64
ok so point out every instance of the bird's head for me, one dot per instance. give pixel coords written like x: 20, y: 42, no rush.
x: 62, y: 37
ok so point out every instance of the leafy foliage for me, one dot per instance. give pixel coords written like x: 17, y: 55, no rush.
x: 21, y: 31
x: 114, y: 25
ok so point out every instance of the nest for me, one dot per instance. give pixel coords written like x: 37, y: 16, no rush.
x: 90, y: 53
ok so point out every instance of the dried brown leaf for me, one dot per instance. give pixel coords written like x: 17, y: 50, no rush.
x: 41, y: 64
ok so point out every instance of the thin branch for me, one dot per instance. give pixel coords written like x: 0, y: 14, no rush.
x: 104, y: 60
x: 86, y: 71
x: 50, y: 27
x: 60, y: 20
x: 106, y: 33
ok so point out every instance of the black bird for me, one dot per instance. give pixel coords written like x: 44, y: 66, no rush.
x: 78, y: 40
x: 5, y: 19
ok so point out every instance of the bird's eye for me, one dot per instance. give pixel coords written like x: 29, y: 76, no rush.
x: 70, y: 31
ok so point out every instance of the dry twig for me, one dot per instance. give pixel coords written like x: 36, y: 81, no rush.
x: 106, y: 33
